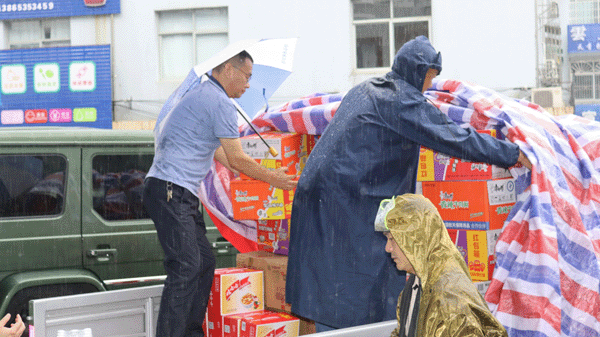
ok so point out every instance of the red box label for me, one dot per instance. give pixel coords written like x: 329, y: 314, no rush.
x: 478, y: 250
x: 480, y: 205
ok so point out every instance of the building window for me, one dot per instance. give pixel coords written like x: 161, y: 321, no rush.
x: 189, y: 37
x: 552, y: 42
x: 32, y: 185
x: 586, y: 80
x: 584, y: 11
x: 383, y: 26
x: 118, y: 185
x: 26, y: 34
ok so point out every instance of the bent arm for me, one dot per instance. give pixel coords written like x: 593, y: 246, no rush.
x: 426, y: 125
x: 240, y: 161
x: 221, y: 157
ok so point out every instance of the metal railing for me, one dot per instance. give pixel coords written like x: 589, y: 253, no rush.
x: 382, y: 329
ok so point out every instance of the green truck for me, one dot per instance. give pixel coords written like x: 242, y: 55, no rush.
x: 71, y: 215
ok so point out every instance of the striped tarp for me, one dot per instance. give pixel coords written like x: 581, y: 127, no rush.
x: 547, y: 277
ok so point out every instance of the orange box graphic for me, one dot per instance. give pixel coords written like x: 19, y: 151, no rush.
x: 288, y: 146
x: 435, y: 166
x: 234, y: 290
x: 478, y: 250
x: 257, y: 200
x: 479, y: 205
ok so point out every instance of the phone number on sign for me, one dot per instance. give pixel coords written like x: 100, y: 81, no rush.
x: 32, y: 6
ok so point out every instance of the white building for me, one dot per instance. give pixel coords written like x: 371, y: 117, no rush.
x: 583, y: 36
x: 341, y: 42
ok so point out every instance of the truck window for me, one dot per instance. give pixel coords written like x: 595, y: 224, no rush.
x: 32, y: 185
x: 118, y: 183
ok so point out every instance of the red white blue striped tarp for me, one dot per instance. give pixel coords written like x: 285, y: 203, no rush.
x: 547, y: 276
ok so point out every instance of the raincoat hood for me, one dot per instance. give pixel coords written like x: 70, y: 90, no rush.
x: 414, y: 59
x: 419, y: 231
x: 450, y: 304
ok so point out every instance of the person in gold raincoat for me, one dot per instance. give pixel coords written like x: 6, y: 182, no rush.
x: 439, y: 298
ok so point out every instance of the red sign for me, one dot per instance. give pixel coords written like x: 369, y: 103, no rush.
x: 36, y: 116
x: 94, y: 3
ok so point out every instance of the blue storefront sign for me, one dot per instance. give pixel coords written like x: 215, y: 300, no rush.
x: 583, y: 38
x: 589, y: 111
x: 28, y: 9
x: 62, y: 86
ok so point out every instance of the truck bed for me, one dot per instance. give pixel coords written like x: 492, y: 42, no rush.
x: 133, y: 313
x: 128, y: 312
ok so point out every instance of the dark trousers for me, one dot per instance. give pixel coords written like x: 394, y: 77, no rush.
x: 189, y: 261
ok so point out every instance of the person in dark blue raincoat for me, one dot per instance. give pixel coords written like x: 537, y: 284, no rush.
x: 338, y: 274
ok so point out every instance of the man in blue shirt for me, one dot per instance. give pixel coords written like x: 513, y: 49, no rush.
x: 200, y: 127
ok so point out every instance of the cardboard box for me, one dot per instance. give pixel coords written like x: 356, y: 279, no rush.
x: 257, y: 200
x: 231, y: 323
x: 275, y: 270
x: 435, y: 166
x: 482, y: 287
x: 269, y: 324
x: 479, y: 205
x: 273, y: 236
x: 308, y: 143
x: 288, y: 146
x: 234, y: 290
x: 478, y: 250
x: 307, y: 326
x: 262, y: 323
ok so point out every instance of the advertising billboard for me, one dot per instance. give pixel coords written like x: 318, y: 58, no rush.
x: 589, y: 111
x: 29, y: 9
x: 62, y: 86
x: 583, y: 38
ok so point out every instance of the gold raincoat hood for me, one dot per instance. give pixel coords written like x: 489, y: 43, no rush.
x: 450, y: 304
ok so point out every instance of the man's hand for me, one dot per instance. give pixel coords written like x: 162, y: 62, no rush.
x: 282, y: 180
x: 523, y: 160
x: 15, y: 330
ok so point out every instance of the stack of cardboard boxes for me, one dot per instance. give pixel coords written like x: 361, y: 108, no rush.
x: 274, y: 267
x: 474, y: 200
x: 271, y: 208
x: 256, y: 200
x: 236, y: 307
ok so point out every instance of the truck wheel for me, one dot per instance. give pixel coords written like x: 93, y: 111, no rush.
x: 19, y: 304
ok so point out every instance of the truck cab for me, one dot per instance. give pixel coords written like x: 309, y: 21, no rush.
x: 71, y: 215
